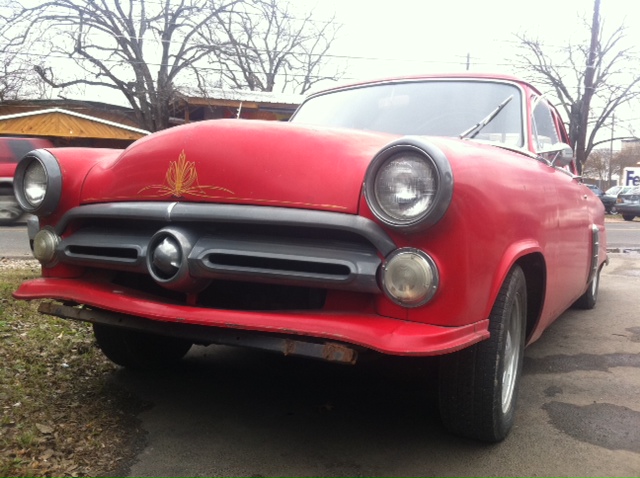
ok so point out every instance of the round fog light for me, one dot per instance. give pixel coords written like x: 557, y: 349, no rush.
x: 410, y: 277
x: 45, y: 243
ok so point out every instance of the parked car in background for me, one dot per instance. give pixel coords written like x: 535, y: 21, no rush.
x: 11, y: 150
x: 610, y: 197
x: 425, y: 216
x: 598, y: 192
x: 628, y: 203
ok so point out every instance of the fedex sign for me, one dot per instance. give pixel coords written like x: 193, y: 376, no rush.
x: 631, y: 177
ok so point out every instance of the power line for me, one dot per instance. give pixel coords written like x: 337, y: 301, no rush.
x: 453, y: 59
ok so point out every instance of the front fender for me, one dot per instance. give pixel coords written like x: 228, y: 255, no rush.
x: 511, y: 256
x: 75, y: 163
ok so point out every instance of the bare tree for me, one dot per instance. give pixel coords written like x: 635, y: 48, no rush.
x: 598, y: 166
x: 138, y: 48
x: 17, y: 79
x: 272, y: 47
x: 590, y: 80
x: 627, y: 157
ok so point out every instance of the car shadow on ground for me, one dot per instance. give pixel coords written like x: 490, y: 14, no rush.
x: 241, y: 381
x: 290, y: 414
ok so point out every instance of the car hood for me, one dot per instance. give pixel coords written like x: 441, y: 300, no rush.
x: 241, y: 161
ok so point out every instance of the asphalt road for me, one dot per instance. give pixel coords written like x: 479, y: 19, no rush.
x: 623, y: 234
x: 14, y: 242
x: 234, y: 412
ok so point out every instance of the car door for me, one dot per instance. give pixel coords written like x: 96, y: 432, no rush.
x: 570, y: 252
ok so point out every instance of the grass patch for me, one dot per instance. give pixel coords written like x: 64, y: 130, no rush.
x: 61, y: 415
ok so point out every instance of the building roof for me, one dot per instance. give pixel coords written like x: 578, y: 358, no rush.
x: 63, y: 123
x: 223, y: 103
x: 246, y: 96
x: 95, y: 124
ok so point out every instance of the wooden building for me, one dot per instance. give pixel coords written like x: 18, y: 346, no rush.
x: 95, y: 124
x: 234, y: 104
x: 70, y: 122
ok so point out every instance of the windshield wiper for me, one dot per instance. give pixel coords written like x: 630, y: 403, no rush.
x: 475, y: 129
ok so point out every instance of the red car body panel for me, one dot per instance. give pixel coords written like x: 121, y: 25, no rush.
x: 506, y: 205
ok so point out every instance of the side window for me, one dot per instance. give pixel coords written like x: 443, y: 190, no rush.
x: 544, y: 128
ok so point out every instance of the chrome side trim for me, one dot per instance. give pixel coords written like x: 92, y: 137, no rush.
x: 595, y: 252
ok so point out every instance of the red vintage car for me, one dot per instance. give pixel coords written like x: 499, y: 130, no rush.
x: 11, y: 150
x: 429, y: 216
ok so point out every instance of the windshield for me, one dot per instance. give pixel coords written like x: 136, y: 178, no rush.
x: 438, y: 108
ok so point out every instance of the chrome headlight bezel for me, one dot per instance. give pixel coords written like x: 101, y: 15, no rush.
x: 442, y: 176
x: 53, y: 182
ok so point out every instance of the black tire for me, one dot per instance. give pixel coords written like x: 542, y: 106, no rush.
x: 478, y: 386
x: 588, y: 300
x: 613, y: 210
x: 628, y: 217
x: 10, y: 210
x: 139, y: 350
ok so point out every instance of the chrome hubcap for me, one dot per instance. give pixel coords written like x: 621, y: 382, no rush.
x: 594, y: 285
x: 513, y: 345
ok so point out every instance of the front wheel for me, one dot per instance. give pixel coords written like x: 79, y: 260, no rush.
x: 588, y: 300
x: 139, y: 350
x: 478, y: 386
x: 628, y: 217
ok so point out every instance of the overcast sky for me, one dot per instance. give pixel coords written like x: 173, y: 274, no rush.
x: 398, y: 37
x: 401, y: 37
x: 413, y: 36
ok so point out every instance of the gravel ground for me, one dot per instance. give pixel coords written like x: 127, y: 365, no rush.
x: 12, y: 264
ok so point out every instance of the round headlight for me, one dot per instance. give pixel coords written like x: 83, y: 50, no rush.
x: 409, y: 277
x: 409, y: 184
x: 35, y: 183
x: 405, y: 187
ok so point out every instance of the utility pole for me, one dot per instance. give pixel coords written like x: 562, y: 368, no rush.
x: 589, y: 88
x: 613, y: 125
